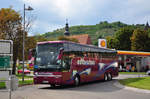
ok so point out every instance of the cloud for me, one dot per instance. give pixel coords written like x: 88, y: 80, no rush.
x: 52, y: 13
x: 44, y: 26
x: 64, y: 8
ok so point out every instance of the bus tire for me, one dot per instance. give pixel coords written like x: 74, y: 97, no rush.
x: 109, y: 76
x: 105, y: 77
x: 77, y: 80
x: 53, y: 85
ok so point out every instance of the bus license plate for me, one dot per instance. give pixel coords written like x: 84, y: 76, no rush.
x: 45, y: 82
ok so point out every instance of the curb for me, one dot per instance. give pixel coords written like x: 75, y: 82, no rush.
x: 117, y: 84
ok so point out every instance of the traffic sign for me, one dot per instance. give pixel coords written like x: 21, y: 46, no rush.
x: 5, y: 47
x: 4, y: 61
x: 4, y: 75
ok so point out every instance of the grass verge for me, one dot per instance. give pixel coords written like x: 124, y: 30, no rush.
x: 2, y: 85
x: 142, y: 73
x: 26, y: 82
x: 19, y: 76
x: 143, y: 82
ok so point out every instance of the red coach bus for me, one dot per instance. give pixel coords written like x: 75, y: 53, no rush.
x: 63, y: 62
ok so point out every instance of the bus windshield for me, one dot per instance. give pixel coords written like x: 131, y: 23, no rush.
x: 47, y: 56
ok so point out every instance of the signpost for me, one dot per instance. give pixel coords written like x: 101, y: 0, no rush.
x: 102, y: 43
x: 6, y: 57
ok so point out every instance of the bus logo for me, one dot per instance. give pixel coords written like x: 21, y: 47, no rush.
x: 85, y: 62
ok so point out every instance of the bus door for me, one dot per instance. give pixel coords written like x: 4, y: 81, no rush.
x: 66, y: 64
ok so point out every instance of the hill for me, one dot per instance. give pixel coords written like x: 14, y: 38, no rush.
x: 103, y: 29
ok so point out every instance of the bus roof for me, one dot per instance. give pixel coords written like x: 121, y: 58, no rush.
x: 71, y: 46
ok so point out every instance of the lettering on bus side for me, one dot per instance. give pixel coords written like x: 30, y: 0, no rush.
x: 85, y: 62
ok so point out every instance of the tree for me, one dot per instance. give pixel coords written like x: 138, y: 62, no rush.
x: 110, y: 42
x: 122, y: 38
x: 140, y: 41
x: 30, y: 43
x: 11, y: 29
x: 40, y: 38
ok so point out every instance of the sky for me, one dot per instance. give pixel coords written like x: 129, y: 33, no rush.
x: 49, y: 15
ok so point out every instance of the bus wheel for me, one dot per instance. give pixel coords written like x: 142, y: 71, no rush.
x: 105, y: 77
x: 77, y: 81
x: 109, y: 76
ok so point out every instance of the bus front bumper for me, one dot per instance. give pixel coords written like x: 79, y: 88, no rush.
x: 51, y: 79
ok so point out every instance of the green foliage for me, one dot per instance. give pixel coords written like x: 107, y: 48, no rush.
x: 103, y: 28
x: 110, y: 42
x: 118, y: 34
x: 122, y: 38
x: 140, y: 40
x: 40, y: 38
x: 26, y: 82
x: 130, y: 38
x: 19, y: 67
x: 148, y: 31
x: 10, y: 23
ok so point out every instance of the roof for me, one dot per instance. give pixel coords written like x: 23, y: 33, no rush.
x: 45, y: 42
x: 133, y: 53
x: 82, y: 39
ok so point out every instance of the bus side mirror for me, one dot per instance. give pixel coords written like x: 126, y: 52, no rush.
x: 60, y: 53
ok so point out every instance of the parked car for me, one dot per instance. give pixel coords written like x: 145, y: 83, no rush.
x: 26, y: 71
x: 148, y: 72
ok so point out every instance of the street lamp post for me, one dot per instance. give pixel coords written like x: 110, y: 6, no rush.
x: 24, y: 31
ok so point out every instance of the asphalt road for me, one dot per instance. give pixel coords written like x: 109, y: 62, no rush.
x: 96, y: 90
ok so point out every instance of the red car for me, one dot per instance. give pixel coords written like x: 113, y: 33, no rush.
x: 25, y: 71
